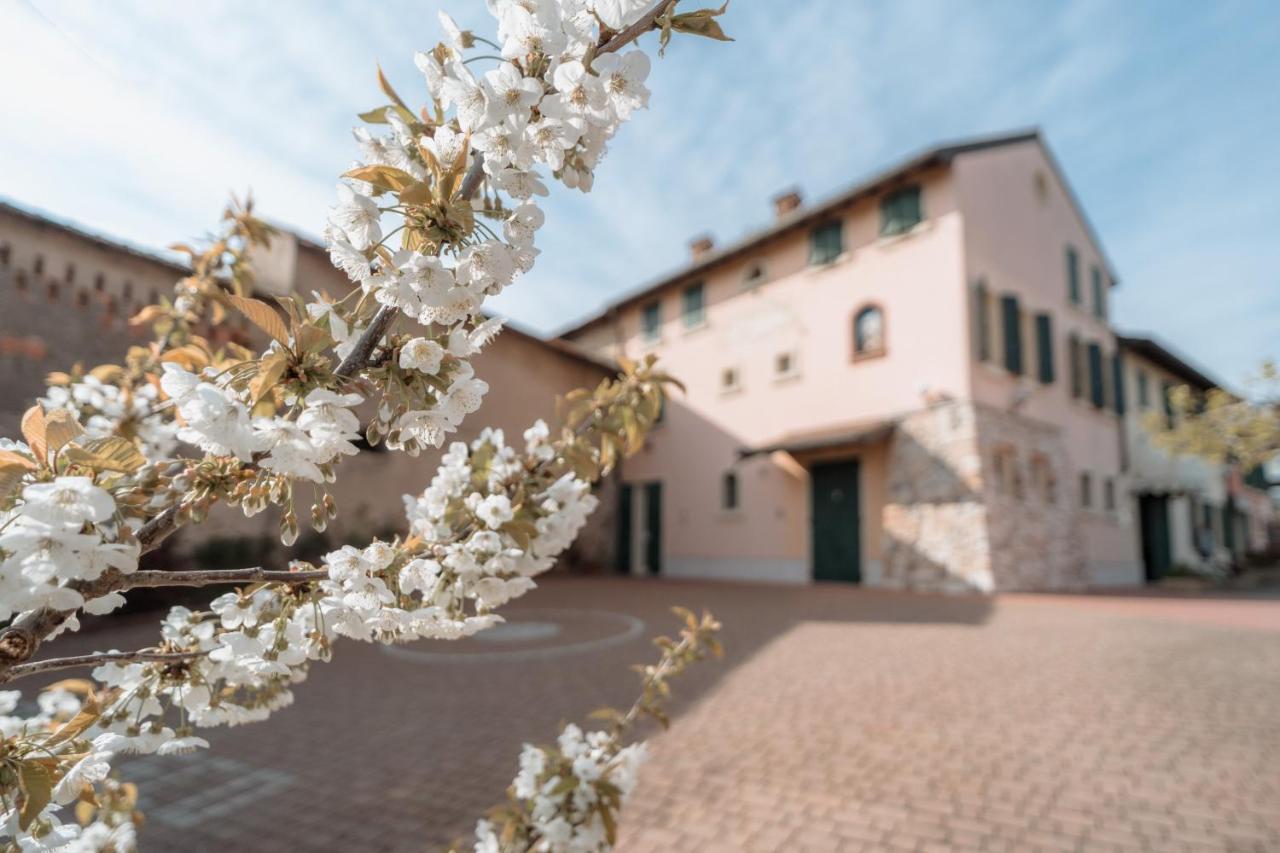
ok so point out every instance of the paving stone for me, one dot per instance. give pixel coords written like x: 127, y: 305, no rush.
x: 840, y: 719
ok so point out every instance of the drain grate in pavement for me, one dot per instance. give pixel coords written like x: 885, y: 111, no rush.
x: 185, y: 792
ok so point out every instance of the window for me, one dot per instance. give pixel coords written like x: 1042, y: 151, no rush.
x: 4, y: 254
x: 127, y: 290
x: 82, y: 299
x: 1166, y: 394
x: 1109, y: 495
x: 1044, y: 347
x: 868, y: 332
x: 729, y: 490
x: 21, y: 281
x: 754, y: 276
x: 651, y: 321
x: 982, y: 313
x: 38, y: 266
x: 1043, y: 482
x: 693, y: 304
x: 1086, y: 490
x: 1011, y: 324
x: 1040, y: 185
x: 70, y: 274
x: 784, y: 365
x: 730, y: 379
x: 1117, y: 382
x: 1073, y: 275
x: 1099, y: 294
x: 1074, y: 358
x: 51, y: 292
x: 1097, y: 383
x: 99, y: 283
x: 826, y: 243
x: 1144, y: 391
x: 900, y: 211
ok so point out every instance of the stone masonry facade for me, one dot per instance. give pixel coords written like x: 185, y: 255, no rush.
x: 976, y: 504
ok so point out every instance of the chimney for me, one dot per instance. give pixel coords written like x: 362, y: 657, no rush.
x: 786, y: 202
x: 701, y: 245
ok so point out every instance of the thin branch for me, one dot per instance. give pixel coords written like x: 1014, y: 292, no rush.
x: 257, y: 574
x: 639, y: 28
x: 95, y: 659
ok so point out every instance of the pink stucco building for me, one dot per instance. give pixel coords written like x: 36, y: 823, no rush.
x: 911, y: 384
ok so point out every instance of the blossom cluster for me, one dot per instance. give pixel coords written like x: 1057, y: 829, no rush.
x: 105, y: 409
x: 568, y: 791
x: 549, y: 102
x: 112, y: 825
x: 508, y: 514
x: 61, y: 532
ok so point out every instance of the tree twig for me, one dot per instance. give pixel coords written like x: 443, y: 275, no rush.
x: 95, y: 659
x: 639, y: 28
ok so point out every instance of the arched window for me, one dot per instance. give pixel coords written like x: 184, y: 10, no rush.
x: 868, y: 332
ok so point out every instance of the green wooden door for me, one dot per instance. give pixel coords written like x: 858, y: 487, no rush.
x: 1157, y: 551
x: 836, y: 522
x: 653, y: 527
x: 622, y: 560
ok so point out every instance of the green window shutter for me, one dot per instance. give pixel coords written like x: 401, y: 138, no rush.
x: 729, y: 493
x: 1073, y: 275
x: 1166, y: 394
x: 1117, y: 381
x: 1097, y: 384
x: 900, y: 211
x: 826, y: 242
x: 1144, y: 390
x: 652, y: 321
x: 1099, y: 295
x: 694, y: 305
x: 1073, y: 359
x: 982, y: 312
x: 1011, y: 317
x: 1044, y: 347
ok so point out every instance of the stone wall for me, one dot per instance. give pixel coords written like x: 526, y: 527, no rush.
x: 977, y: 504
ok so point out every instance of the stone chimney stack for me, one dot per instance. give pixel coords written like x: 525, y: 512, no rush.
x: 701, y: 245
x: 787, y: 202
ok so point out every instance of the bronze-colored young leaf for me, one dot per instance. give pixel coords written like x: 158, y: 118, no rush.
x: 33, y: 430
x: 701, y: 23
x: 261, y: 315
x: 35, y: 790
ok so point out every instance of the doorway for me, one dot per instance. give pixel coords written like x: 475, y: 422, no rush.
x: 836, y: 522
x: 1157, y: 550
x: 639, y: 545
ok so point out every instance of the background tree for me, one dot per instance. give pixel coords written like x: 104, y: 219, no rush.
x: 1225, y: 427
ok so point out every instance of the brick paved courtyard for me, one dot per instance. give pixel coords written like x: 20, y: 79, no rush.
x: 841, y: 719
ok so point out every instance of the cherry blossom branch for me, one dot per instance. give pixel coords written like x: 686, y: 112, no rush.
x: 257, y: 574
x: 639, y: 28
x: 20, y: 641
x: 94, y: 659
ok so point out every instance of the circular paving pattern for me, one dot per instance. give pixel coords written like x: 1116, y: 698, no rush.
x: 533, y: 634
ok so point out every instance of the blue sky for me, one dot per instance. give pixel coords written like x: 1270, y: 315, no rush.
x: 136, y: 117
